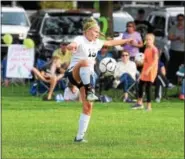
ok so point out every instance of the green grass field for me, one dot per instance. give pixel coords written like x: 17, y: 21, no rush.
x: 32, y: 128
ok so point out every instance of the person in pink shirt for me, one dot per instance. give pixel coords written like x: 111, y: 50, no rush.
x: 133, y: 47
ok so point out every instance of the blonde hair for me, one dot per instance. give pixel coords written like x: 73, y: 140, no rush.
x: 150, y: 35
x: 89, y: 23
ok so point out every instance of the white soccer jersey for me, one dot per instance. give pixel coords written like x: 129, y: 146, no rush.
x: 86, y: 50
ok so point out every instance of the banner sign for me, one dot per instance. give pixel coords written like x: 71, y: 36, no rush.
x: 20, y: 61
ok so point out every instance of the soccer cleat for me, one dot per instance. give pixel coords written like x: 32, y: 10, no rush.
x: 80, y: 140
x: 137, y: 106
x: 91, y: 96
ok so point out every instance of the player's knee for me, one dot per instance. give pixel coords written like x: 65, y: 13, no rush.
x: 84, y: 63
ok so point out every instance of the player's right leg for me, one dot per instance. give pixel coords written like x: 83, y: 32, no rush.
x: 81, y: 73
x: 84, y: 117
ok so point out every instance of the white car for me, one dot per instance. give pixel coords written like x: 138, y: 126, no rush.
x: 14, y: 21
x: 162, y: 20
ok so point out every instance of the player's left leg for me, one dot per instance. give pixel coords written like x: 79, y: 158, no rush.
x: 82, y: 73
x: 84, y: 117
x: 148, y: 96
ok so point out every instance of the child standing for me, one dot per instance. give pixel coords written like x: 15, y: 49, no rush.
x: 148, y: 73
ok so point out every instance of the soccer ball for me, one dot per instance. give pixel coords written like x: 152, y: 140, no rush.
x: 139, y: 59
x: 107, y: 66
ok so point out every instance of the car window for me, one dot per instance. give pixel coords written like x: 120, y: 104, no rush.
x: 63, y: 25
x: 149, y: 18
x: 14, y: 18
x: 172, y: 21
x: 159, y: 23
x: 36, y: 24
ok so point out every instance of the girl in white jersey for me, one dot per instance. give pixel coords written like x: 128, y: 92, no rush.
x: 81, y: 68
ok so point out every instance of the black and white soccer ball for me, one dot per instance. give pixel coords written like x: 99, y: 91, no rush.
x: 139, y: 59
x: 107, y: 66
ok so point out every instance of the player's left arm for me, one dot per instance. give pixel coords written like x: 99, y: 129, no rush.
x: 116, y: 42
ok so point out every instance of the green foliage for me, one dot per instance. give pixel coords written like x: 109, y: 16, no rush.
x: 57, y: 4
x: 32, y: 128
x: 96, y: 5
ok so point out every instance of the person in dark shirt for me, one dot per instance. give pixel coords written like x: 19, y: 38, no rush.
x: 142, y: 26
x: 161, y: 81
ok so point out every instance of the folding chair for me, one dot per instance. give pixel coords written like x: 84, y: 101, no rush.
x: 105, y: 83
x: 163, y: 82
x: 42, y: 87
x: 133, y: 89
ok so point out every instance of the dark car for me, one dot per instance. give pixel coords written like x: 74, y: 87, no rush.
x: 50, y: 27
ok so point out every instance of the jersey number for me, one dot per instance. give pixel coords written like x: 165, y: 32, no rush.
x: 91, y: 53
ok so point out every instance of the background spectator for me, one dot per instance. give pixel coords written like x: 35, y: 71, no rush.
x: 142, y: 26
x: 161, y: 81
x: 148, y: 73
x: 132, y: 47
x: 103, y: 53
x: 63, y: 54
x: 176, y: 35
x: 180, y: 74
x: 182, y: 93
x: 5, y: 80
x: 125, y: 74
x: 71, y: 93
x: 50, y: 73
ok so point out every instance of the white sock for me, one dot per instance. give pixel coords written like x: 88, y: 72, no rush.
x: 85, y: 75
x: 83, y: 125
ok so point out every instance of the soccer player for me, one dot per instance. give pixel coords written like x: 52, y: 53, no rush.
x: 81, y: 68
x: 148, y: 73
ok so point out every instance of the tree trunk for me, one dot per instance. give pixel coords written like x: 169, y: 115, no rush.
x: 106, y: 9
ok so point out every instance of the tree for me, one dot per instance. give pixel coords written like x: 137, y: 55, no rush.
x: 57, y: 4
x: 106, y: 10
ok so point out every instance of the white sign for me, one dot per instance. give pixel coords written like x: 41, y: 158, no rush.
x: 20, y: 61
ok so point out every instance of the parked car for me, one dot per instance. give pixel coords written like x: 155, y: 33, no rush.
x: 162, y: 20
x: 50, y: 27
x: 132, y: 9
x: 14, y: 21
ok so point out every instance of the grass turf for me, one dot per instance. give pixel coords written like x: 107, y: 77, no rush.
x: 32, y: 128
